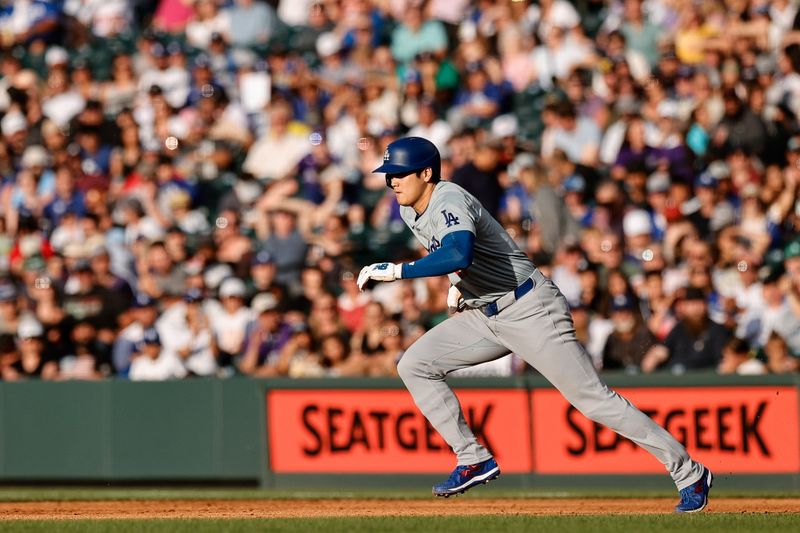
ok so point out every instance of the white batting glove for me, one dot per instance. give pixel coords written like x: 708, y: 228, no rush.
x: 379, y: 272
x: 453, y: 298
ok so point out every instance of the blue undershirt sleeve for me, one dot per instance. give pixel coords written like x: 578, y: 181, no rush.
x: 455, y: 254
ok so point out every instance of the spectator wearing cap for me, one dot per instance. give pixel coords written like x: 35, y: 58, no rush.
x: 9, y: 309
x: 88, y: 357
x: 635, y: 185
x: 696, y: 342
x: 85, y: 299
x: 36, y: 160
x: 106, y: 278
x: 33, y: 360
x: 152, y: 363
x: 94, y: 154
x: 143, y: 315
x: 26, y: 22
x: 14, y: 128
x: 229, y: 318
x: 262, y: 277
x: 186, y: 333
x: 637, y: 227
x: 190, y: 222
x: 479, y: 99
x: 172, y: 81
x: 266, y: 335
x: 702, y: 207
x: 657, y: 188
x: 669, y: 148
x: 335, y: 73
x: 415, y: 35
x: 737, y: 358
x: 630, y: 340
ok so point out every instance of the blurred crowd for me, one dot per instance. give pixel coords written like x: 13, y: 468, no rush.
x: 187, y: 188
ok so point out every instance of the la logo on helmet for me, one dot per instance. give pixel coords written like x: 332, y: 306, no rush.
x: 386, y: 155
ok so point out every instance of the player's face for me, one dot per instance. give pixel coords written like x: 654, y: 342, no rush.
x: 408, y: 188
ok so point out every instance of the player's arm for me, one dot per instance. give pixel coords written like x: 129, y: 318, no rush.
x: 454, y: 254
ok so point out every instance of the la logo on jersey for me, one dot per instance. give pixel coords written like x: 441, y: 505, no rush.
x: 449, y: 218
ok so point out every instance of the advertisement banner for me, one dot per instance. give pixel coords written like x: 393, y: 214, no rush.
x: 382, y: 431
x: 730, y: 429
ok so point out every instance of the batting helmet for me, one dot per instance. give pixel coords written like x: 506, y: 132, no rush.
x: 410, y: 154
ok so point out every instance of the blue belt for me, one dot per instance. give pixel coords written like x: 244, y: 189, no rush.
x: 507, y: 299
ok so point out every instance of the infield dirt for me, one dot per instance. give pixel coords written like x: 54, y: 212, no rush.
x: 296, y: 508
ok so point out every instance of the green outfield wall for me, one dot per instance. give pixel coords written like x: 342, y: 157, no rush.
x: 318, y: 433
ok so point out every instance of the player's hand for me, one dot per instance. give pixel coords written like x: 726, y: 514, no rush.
x: 453, y: 299
x: 378, y: 272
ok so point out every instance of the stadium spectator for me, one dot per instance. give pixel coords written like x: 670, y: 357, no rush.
x: 152, y: 363
x: 695, y: 341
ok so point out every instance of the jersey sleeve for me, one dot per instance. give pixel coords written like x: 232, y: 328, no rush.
x: 453, y: 211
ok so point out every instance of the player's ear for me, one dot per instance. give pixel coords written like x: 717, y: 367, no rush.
x: 427, y: 175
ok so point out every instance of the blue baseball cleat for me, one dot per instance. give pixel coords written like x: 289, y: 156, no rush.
x: 694, y: 498
x: 464, y: 477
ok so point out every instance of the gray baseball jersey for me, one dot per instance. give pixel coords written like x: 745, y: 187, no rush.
x: 498, y: 265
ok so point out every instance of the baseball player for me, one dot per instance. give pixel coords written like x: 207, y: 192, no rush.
x: 508, y: 306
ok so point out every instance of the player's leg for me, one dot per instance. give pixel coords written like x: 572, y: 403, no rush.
x: 539, y: 329
x: 462, y: 340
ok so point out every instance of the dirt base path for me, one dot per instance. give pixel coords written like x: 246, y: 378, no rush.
x: 350, y: 507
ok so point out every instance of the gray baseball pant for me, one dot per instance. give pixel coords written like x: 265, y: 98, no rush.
x: 538, y: 328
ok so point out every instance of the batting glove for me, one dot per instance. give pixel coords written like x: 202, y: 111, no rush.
x: 379, y: 272
x: 454, y: 299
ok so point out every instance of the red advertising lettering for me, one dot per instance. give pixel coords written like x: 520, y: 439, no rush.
x: 730, y: 429
x: 371, y: 431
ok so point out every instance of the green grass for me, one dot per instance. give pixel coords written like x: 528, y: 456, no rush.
x: 708, y: 523
x: 22, y: 494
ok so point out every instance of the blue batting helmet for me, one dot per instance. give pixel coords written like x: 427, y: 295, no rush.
x: 410, y: 154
